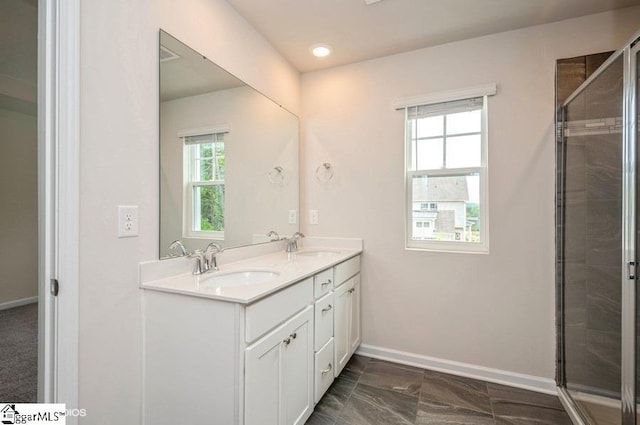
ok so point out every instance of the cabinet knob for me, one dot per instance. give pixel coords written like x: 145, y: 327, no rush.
x: 287, y: 341
x: 351, y: 290
x: 327, y: 370
x: 328, y: 282
x: 294, y: 335
x: 327, y: 308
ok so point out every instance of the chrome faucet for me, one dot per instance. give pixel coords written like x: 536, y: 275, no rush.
x: 178, y: 244
x: 210, y: 260
x: 200, y: 265
x: 292, y: 242
x: 273, y: 235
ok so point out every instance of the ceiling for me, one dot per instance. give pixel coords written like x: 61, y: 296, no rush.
x: 190, y: 73
x: 359, y: 32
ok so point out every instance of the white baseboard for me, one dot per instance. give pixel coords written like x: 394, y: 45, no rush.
x: 498, y: 376
x: 18, y: 303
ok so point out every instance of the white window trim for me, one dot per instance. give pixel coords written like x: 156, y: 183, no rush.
x: 445, y: 246
x: 446, y: 96
x: 188, y: 212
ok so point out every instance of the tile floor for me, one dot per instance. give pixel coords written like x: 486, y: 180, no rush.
x: 375, y: 392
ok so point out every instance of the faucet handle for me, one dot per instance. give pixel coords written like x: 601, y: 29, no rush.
x: 178, y: 244
x: 201, y: 266
x: 292, y: 242
x: 211, y: 263
x: 273, y: 235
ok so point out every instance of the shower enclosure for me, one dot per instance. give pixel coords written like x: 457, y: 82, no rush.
x: 597, y: 228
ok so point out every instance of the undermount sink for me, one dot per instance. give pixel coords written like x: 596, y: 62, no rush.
x: 318, y: 253
x: 238, y: 278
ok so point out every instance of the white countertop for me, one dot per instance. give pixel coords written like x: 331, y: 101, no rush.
x: 291, y: 268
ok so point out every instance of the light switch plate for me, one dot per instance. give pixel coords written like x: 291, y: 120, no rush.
x: 127, y: 221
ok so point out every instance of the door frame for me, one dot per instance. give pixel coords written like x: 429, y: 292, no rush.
x: 629, y: 243
x: 58, y: 200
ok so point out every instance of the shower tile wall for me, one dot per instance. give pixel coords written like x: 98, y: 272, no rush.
x: 592, y: 247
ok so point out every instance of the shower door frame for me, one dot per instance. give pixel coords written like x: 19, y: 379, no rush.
x: 629, y: 244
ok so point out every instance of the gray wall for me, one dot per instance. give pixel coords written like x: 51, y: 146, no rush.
x: 18, y: 208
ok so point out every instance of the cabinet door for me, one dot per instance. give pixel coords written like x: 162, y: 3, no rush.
x: 354, y: 330
x: 279, y: 374
x: 297, y: 370
x: 342, y: 325
x: 262, y: 387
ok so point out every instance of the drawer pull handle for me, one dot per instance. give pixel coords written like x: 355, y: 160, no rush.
x: 287, y: 341
x: 327, y: 308
x: 351, y: 290
x: 294, y: 335
x: 328, y: 282
x: 327, y: 370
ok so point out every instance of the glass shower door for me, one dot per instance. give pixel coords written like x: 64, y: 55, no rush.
x: 592, y: 257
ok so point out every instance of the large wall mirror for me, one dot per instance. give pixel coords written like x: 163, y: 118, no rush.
x: 228, y: 156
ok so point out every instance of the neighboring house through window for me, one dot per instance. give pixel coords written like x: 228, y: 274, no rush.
x: 446, y: 170
x: 204, y: 194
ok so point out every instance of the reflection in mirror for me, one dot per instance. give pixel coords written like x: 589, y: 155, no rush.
x: 228, y: 156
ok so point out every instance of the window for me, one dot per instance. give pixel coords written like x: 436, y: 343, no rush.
x: 204, y: 185
x: 446, y: 168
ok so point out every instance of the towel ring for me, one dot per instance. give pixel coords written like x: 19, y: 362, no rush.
x: 276, y: 175
x: 324, y: 172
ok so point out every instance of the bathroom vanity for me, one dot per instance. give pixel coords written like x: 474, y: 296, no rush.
x: 256, y: 343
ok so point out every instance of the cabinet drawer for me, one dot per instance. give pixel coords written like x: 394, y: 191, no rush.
x: 345, y: 270
x: 275, y: 309
x: 324, y: 369
x: 323, y: 283
x: 323, y: 321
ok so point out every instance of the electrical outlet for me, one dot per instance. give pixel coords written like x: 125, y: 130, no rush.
x: 293, y: 216
x: 127, y: 221
x: 313, y: 216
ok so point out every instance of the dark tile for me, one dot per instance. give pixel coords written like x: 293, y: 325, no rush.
x: 333, y: 401
x: 516, y: 406
x: 570, y: 73
x: 594, y: 61
x: 575, y: 346
x: 604, y: 232
x: 604, y: 298
x: 355, y: 367
x: 575, y: 295
x: 434, y: 413
x: 374, y: 406
x: 455, y: 391
x: 604, y: 94
x: 575, y: 228
x: 546, y: 418
x: 575, y: 164
x: 604, y: 353
x: 499, y: 393
x: 392, y: 376
x: 603, y: 166
x: 320, y: 419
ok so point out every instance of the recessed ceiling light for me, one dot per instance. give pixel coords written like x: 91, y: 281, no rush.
x: 321, y: 50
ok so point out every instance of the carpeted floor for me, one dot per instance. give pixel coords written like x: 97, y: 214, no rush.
x: 19, y: 354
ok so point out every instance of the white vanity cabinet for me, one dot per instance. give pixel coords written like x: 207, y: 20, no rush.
x: 211, y: 361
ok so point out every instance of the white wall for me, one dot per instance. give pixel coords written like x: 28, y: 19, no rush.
x: 18, y: 206
x: 493, y: 310
x: 119, y: 165
x: 262, y: 136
